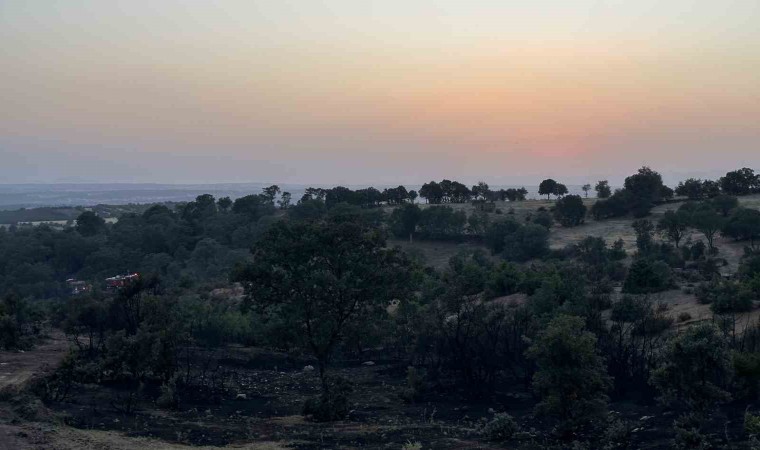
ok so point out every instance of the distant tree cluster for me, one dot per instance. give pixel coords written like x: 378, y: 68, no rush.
x: 366, y: 198
x: 641, y: 192
x: 446, y: 191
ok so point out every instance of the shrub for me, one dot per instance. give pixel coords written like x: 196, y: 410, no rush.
x: 617, y: 434
x: 571, y: 376
x: 646, y: 277
x: 570, y: 211
x: 505, y: 279
x: 497, y: 232
x: 724, y: 296
x: 544, y: 219
x: 529, y: 241
x: 688, y: 434
x: 629, y: 309
x: 732, y: 299
x: 415, y: 384
x: 10, y: 333
x: 501, y: 428
x: 442, y: 222
x: 747, y: 372
x: 744, y: 225
x: 751, y: 424
x: 696, y: 369
x: 684, y: 317
x: 332, y: 404
x: 169, y: 397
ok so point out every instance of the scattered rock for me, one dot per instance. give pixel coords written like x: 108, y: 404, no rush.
x: 368, y: 363
x: 308, y: 368
x: 241, y: 397
x: 491, y: 411
x: 644, y: 418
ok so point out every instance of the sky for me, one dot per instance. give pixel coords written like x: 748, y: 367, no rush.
x: 387, y: 91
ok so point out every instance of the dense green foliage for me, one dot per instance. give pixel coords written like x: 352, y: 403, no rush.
x: 317, y: 278
x: 570, y: 375
x: 570, y: 211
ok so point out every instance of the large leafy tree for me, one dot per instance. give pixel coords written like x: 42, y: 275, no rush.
x: 571, y: 376
x: 603, y: 189
x: 708, y: 222
x: 560, y: 190
x: 725, y: 204
x: 324, y: 277
x: 744, y: 224
x: 646, y: 189
x: 692, y: 188
x: 696, y: 369
x: 90, y: 224
x: 673, y: 225
x: 404, y: 220
x: 547, y: 187
x: 740, y: 182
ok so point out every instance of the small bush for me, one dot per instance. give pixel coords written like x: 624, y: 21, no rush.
x: 501, y: 428
x: 332, y: 404
x: 544, y: 219
x: 415, y: 384
x: 747, y: 373
x: 617, y: 434
x: 646, y: 277
x: 412, y: 446
x: 751, y: 424
x: 684, y: 317
x: 725, y: 296
x: 688, y: 434
x: 169, y: 397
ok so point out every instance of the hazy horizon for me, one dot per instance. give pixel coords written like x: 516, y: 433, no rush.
x: 392, y: 92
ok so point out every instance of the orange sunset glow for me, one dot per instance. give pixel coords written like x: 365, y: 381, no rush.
x: 368, y: 91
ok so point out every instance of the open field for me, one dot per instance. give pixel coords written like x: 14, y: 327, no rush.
x: 437, y: 253
x: 17, y: 369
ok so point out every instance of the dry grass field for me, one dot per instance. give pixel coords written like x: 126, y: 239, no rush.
x: 678, y: 302
x: 437, y: 253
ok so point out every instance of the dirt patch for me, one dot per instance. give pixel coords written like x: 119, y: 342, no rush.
x: 17, y: 369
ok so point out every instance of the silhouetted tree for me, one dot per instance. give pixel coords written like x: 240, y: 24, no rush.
x: 270, y: 193
x: 404, y: 220
x: 560, y: 190
x: 603, y: 189
x: 740, y: 182
x: 547, y: 187
x: 571, y: 376
x: 224, y: 204
x: 90, y: 224
x: 324, y: 277
x: 708, y: 222
x: 696, y: 369
x: 725, y: 204
x: 744, y: 225
x: 284, y: 201
x: 673, y: 225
